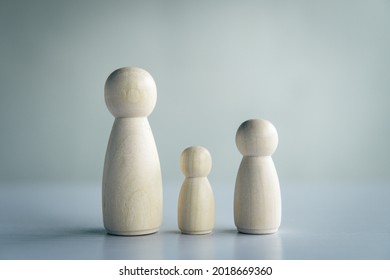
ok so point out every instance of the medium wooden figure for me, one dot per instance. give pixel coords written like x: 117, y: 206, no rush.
x: 257, y: 200
x: 132, y: 183
x: 196, y: 212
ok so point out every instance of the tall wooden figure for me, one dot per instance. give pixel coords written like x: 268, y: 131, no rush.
x: 132, y: 183
x: 257, y: 201
x: 196, y: 199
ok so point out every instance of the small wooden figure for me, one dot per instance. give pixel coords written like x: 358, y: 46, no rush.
x: 132, y: 183
x: 257, y: 200
x: 196, y: 212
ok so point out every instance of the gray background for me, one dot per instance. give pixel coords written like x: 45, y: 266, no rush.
x: 319, y: 70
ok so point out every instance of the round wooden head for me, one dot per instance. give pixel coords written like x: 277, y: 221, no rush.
x: 130, y: 92
x: 257, y: 138
x: 195, y: 162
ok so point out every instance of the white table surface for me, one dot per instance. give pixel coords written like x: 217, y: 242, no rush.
x: 64, y: 221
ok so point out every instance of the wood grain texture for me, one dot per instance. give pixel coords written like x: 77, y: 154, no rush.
x: 257, y: 199
x: 196, y: 207
x: 132, y: 183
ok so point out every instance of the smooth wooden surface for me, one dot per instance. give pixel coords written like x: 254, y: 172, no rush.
x: 196, y: 210
x: 132, y: 182
x: 130, y: 92
x: 257, y: 199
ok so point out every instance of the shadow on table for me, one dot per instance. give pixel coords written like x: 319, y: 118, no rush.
x: 95, y: 243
